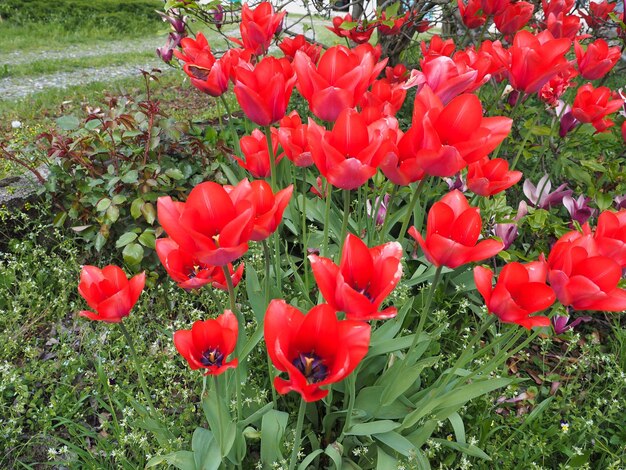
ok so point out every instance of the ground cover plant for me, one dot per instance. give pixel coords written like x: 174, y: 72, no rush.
x: 359, y: 265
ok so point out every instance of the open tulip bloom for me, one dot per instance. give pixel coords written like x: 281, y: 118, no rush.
x: 452, y: 233
x: 364, y: 278
x: 315, y: 349
x: 209, y: 343
x: 109, y: 292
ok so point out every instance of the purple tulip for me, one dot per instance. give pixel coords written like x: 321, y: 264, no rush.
x: 508, y: 232
x: 620, y: 202
x: 456, y: 183
x: 541, y: 197
x: 560, y: 323
x: 568, y: 123
x: 382, y: 209
x: 218, y: 16
x: 177, y: 22
x: 578, y: 208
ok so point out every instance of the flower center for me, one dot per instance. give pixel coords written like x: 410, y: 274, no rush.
x: 212, y: 357
x: 311, y: 366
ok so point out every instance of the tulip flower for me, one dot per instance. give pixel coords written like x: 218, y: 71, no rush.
x: 556, y: 7
x: 593, y: 105
x: 452, y: 232
x: 209, y: 226
x: 208, y: 343
x: 436, y: 47
x: 535, y: 59
x: 561, y: 323
x: 582, y: 277
x: 556, y: 86
x: 386, y: 30
x: 188, y: 272
x: 610, y: 236
x: 268, y: 207
x: 256, y: 153
x: 599, y: 13
x: 348, y: 155
x: 263, y: 91
x: 315, y: 349
x: 389, y: 98
x: 562, y: 25
x: 382, y: 205
x: 258, y: 26
x: 514, y: 17
x: 597, y: 60
x: 507, y: 232
x: 471, y: 14
x: 292, y: 135
x: 109, y: 292
x: 494, y: 7
x: 290, y: 46
x: 488, y: 177
x: 364, y: 278
x: 568, y: 123
x: 578, y: 208
x: 520, y: 291
x: 540, y: 196
x: 339, y: 80
x: 447, y: 78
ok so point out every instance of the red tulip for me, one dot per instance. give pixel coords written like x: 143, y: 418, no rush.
x: 359, y: 33
x: 339, y: 81
x: 209, y: 343
x: 209, y: 226
x: 109, y: 292
x: 520, y: 291
x: 290, y: 46
x: 452, y: 232
x: 514, y: 17
x: 315, y: 349
x: 258, y: 26
x: 556, y: 7
x: 205, y: 72
x: 398, y: 23
x: 436, y: 47
x: 446, y: 78
x: 554, y: 89
x: 500, y: 58
x: 402, y: 163
x: 348, y: 155
x: 449, y: 137
x: 598, y: 60
x: 610, y: 236
x: 364, y: 278
x: 472, y: 15
x: 599, y: 13
x: 263, y: 91
x: 256, y: 153
x: 563, y: 26
x: 385, y: 96
x: 292, y: 135
x: 268, y: 207
x: 488, y: 177
x: 536, y: 59
x: 581, y: 277
x: 493, y: 7
x: 188, y: 272
x: 593, y: 105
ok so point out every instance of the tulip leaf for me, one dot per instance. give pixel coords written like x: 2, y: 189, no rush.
x: 133, y: 254
x: 390, y: 345
x: 459, y: 428
x: 400, y: 377
x: 334, y: 451
x: 309, y: 459
x: 368, y: 400
x: 373, y: 427
x: 384, y: 461
x: 397, y: 442
x: 251, y: 343
x: 183, y: 460
x: 125, y: 239
x: 206, y: 452
x: 255, y: 294
x: 423, y: 433
x: 273, y: 426
x: 218, y: 417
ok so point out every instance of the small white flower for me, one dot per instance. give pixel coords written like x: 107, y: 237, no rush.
x: 16, y: 124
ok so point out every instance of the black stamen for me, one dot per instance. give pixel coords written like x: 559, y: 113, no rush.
x: 212, y: 357
x: 311, y: 366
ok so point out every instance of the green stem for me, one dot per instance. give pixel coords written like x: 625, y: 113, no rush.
x: 383, y: 230
x: 349, y: 398
x: 270, y: 149
x: 411, y: 207
x: 142, y: 380
x: 231, y: 126
x: 329, y: 196
x: 266, y: 281
x: 426, y: 309
x: 305, y: 258
x: 240, y: 323
x: 346, y: 214
x: 298, y: 440
x: 523, y: 145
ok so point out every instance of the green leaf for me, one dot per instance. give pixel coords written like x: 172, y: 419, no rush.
x: 468, y: 449
x: 385, y: 461
x: 149, y: 213
x: 113, y: 213
x: 309, y: 459
x: 133, y: 254
x: 400, y: 377
x: 459, y: 428
x: 273, y: 427
x: 119, y: 199
x: 131, y: 176
x: 135, y: 208
x: 68, y: 123
x: 256, y: 296
x: 220, y: 422
x: 147, y: 238
x: 183, y: 460
x: 174, y: 173
x: 100, y: 241
x: 125, y: 239
x: 334, y: 451
x: 397, y: 442
x: 373, y: 427
x: 368, y: 400
x: 59, y: 219
x: 206, y: 452
x: 103, y: 204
